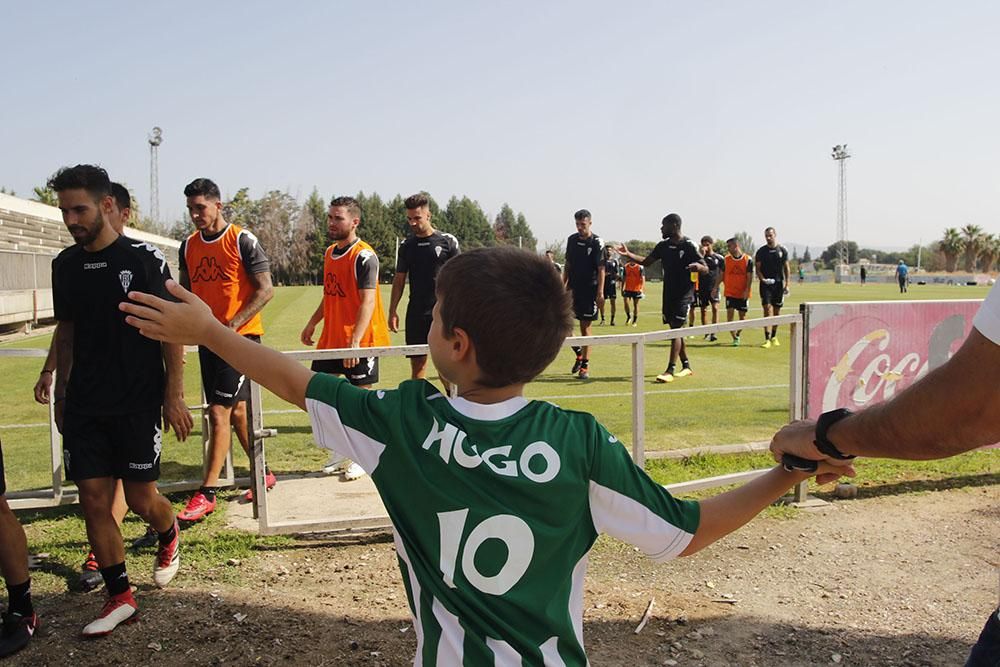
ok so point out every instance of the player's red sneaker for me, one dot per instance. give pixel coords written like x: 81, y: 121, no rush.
x: 197, y: 508
x: 117, y: 610
x: 269, y: 481
x: 168, y: 559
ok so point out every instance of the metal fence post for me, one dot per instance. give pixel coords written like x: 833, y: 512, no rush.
x: 795, y: 396
x: 55, y: 445
x: 258, y: 464
x: 638, y: 404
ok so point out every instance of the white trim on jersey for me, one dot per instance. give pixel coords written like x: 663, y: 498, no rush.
x: 418, y: 624
x: 451, y: 642
x: 576, y: 596
x: 331, y: 433
x: 248, y: 233
x: 550, y: 653
x: 987, y: 320
x: 453, y: 238
x: 488, y: 412
x: 630, y: 521
x: 503, y: 653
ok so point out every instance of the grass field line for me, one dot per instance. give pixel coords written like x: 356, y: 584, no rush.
x: 557, y: 397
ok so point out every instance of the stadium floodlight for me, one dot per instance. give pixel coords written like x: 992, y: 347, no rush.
x: 840, y: 154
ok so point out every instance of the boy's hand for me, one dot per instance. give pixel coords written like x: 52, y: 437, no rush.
x: 186, y: 323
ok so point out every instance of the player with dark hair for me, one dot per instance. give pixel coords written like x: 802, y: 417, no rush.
x: 111, y: 389
x: 612, y: 276
x: 682, y: 264
x: 552, y: 258
x: 495, y: 500
x: 226, y: 267
x: 632, y: 286
x: 584, y: 275
x: 708, y: 283
x: 772, y: 274
x: 19, y: 620
x: 420, y: 258
x: 737, y: 276
x: 351, y: 310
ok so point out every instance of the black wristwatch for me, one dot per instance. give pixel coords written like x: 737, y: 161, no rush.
x: 823, y: 424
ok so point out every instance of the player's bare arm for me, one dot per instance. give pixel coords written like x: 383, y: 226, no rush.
x: 263, y: 291
x: 306, y: 337
x: 398, y: 283
x: 190, y: 322
x: 910, y: 425
x: 43, y: 386
x: 361, y: 322
x: 600, y: 285
x: 64, y: 366
x: 724, y: 513
x: 183, y: 277
x: 175, y: 411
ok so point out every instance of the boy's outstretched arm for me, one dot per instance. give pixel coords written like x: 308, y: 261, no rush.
x: 724, y: 513
x: 190, y: 322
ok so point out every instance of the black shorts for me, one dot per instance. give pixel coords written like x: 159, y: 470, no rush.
x: 362, y: 375
x: 223, y: 384
x: 773, y: 295
x: 611, y: 291
x: 3, y: 480
x: 732, y: 303
x: 629, y: 294
x: 119, y: 446
x: 418, y: 324
x: 706, y: 296
x: 675, y: 313
x: 585, y: 305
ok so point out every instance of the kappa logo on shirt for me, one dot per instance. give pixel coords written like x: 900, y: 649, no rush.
x: 208, y: 270
x: 331, y: 287
x: 125, y: 278
x: 94, y: 265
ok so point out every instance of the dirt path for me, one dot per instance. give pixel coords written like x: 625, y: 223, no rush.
x: 886, y: 580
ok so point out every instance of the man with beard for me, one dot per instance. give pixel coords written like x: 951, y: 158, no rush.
x: 109, y: 390
x: 351, y: 309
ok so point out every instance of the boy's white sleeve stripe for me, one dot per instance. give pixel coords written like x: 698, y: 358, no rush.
x: 987, y: 320
x: 630, y: 521
x: 331, y: 433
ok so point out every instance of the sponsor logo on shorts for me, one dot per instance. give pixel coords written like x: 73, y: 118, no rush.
x: 94, y: 265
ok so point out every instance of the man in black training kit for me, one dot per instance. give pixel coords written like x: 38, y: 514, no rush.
x: 421, y: 256
x: 584, y: 276
x: 110, y: 389
x: 612, y: 276
x: 20, y: 620
x: 680, y: 258
x: 708, y: 284
x: 772, y: 274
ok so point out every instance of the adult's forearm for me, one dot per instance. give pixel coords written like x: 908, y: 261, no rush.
x: 50, y: 358
x: 63, y: 346
x: 173, y: 361
x: 953, y: 409
x: 364, y: 316
x: 398, y: 282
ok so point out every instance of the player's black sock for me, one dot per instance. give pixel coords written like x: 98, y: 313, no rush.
x: 208, y: 492
x: 115, y: 579
x: 670, y: 369
x: 585, y: 363
x: 19, y: 599
x: 167, y: 536
x: 685, y: 363
x: 577, y: 350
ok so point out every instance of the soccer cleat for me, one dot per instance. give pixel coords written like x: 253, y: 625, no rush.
x: 336, y: 464
x: 269, y: 481
x: 736, y: 342
x: 584, y: 372
x: 774, y: 342
x: 90, y: 574
x: 16, y: 633
x: 634, y: 323
x: 168, y: 559
x: 766, y: 344
x: 712, y: 338
x: 612, y: 323
x: 197, y: 508
x: 353, y: 472
x: 147, y: 539
x: 576, y: 366
x: 684, y: 372
x: 665, y: 376
x: 117, y: 610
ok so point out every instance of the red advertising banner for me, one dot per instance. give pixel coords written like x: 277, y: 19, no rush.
x: 861, y: 353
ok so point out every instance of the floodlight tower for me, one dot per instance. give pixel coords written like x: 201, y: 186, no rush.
x: 155, y: 139
x: 840, y: 154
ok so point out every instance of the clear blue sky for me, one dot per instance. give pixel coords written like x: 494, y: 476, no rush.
x: 724, y: 112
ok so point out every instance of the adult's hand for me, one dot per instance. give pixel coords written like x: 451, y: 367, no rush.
x: 393, y: 322
x: 797, y: 439
x: 306, y: 337
x: 43, y: 388
x: 177, y: 416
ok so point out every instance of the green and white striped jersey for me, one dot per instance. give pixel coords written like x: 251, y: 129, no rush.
x: 494, y: 508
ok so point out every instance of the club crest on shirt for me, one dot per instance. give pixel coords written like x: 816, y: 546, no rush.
x: 125, y: 278
x: 438, y: 249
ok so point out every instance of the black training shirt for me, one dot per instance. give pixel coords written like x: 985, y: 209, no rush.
x: 676, y: 256
x: 421, y: 259
x: 583, y: 258
x: 771, y: 262
x: 116, y: 370
x: 612, y: 267
x: 715, y: 263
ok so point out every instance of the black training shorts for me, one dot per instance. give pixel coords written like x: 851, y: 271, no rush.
x: 732, y: 303
x: 418, y: 324
x: 611, y: 291
x: 773, y: 295
x: 629, y: 294
x: 365, y: 373
x: 675, y: 313
x: 708, y: 295
x: 585, y: 304
x: 119, y: 446
x: 223, y: 384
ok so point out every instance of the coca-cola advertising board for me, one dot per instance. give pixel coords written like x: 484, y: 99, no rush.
x: 861, y: 353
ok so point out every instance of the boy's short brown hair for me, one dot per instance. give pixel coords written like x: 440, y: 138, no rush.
x: 512, y: 305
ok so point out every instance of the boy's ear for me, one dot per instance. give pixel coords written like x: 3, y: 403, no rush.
x: 459, y: 344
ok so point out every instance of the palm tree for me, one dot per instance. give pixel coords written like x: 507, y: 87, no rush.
x: 989, y: 252
x: 951, y: 245
x: 973, y: 242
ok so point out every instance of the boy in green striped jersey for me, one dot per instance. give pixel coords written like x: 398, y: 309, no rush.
x: 504, y: 497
